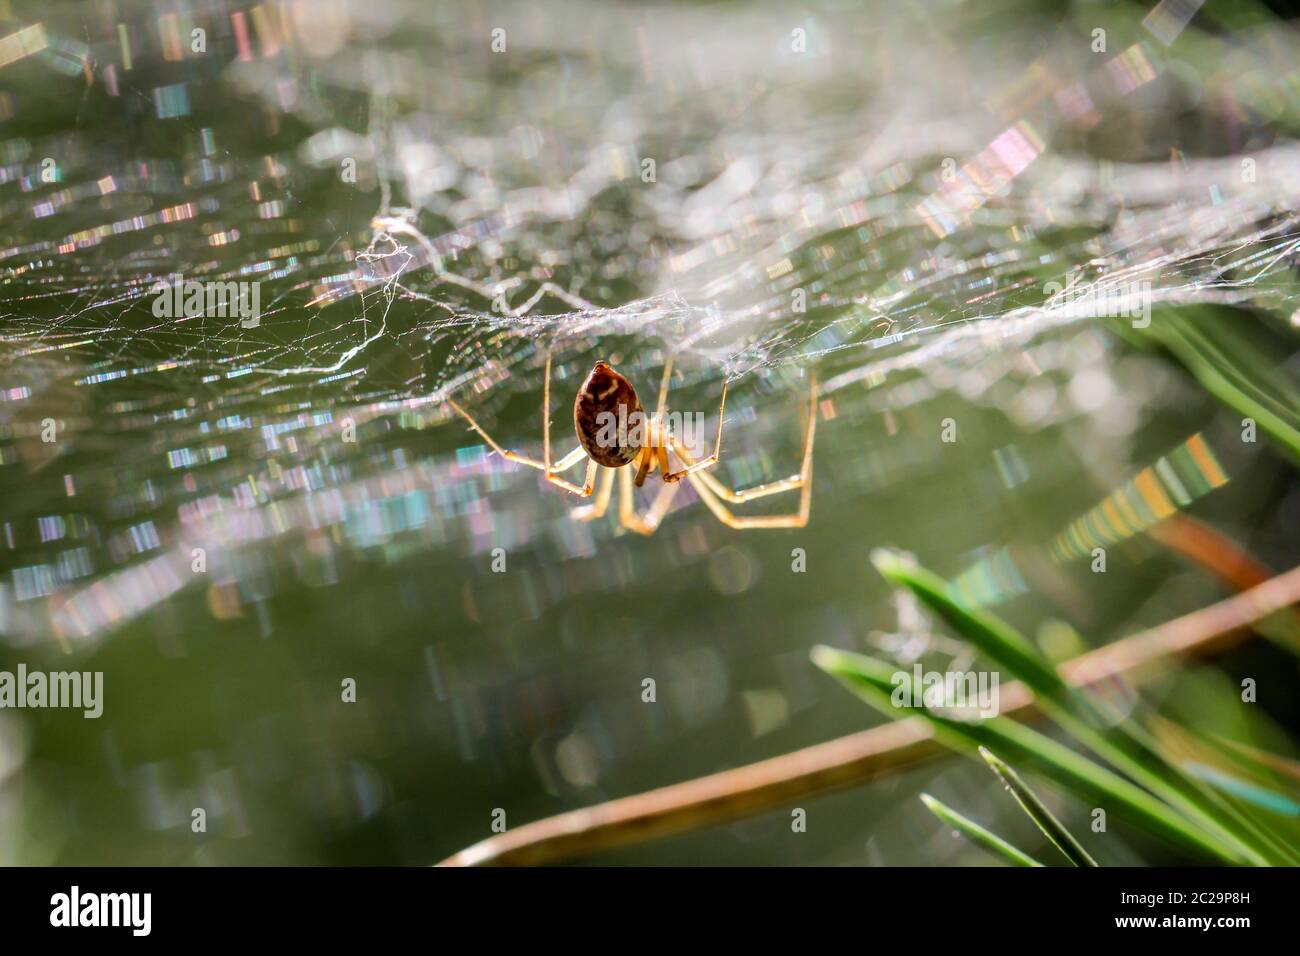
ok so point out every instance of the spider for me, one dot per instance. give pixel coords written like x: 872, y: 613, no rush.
x: 607, y: 395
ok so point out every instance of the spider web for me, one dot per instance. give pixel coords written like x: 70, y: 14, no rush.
x: 826, y: 191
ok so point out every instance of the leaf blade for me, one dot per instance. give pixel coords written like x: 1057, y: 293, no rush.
x: 977, y: 834
x: 870, y: 679
x: 1037, y: 811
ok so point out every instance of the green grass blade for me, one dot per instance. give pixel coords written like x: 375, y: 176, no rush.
x: 1123, y: 747
x: 1271, y: 800
x: 986, y: 631
x: 1232, y: 368
x: 1037, y: 811
x: 977, y: 834
x: 1257, y: 774
x: 1138, y: 745
x: 873, y: 681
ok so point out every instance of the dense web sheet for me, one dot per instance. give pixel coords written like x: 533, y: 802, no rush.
x: 823, y: 192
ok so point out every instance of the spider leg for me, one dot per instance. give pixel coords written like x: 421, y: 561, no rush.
x: 661, y: 456
x: 604, y: 492
x: 503, y: 452
x: 801, y: 480
x: 737, y: 497
x: 588, y: 481
x: 710, y: 489
x: 663, y: 390
x: 743, y: 523
x: 712, y: 460
x: 569, y: 460
x: 648, y: 523
x: 645, y: 459
x: 550, y: 471
x: 565, y: 463
x: 544, y: 466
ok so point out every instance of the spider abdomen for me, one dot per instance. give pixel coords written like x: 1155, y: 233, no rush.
x: 608, y: 418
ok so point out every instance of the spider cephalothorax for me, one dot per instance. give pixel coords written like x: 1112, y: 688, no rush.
x: 614, y: 431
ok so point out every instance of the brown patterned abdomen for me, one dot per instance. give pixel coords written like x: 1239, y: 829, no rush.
x: 608, y: 418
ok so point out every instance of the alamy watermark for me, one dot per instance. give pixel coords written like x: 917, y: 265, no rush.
x: 958, y: 691
x: 1118, y: 300
x: 130, y: 910
x: 82, y: 690
x: 179, y: 298
x: 636, y: 429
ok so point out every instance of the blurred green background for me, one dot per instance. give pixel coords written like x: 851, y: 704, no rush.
x: 487, y: 177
